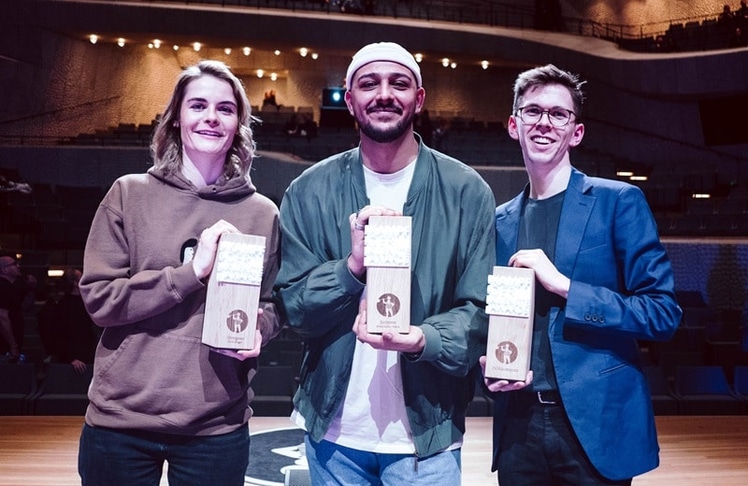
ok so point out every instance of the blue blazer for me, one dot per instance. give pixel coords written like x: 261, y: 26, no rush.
x: 621, y: 291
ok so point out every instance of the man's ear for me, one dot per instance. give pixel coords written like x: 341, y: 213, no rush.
x: 577, y: 136
x: 347, y: 98
x: 511, y: 127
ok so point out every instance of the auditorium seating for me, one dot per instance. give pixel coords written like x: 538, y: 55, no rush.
x: 740, y: 385
x: 17, y: 387
x: 273, y: 387
x: 664, y: 402
x: 704, y: 390
x: 62, y: 391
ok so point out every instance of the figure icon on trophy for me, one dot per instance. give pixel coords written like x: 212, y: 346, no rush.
x: 388, y: 305
x: 506, y: 352
x: 237, y: 321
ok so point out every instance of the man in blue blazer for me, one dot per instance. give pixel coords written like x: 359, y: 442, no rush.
x: 584, y: 415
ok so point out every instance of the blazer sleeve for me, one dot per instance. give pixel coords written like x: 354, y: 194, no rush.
x: 624, y: 282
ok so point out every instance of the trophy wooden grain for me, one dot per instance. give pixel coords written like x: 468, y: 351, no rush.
x: 510, y: 306
x: 234, y: 292
x: 387, y: 260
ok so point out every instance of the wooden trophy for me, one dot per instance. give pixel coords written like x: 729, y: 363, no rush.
x: 510, y: 306
x: 233, y: 296
x: 387, y: 260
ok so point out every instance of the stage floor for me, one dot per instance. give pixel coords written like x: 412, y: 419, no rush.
x: 695, y: 451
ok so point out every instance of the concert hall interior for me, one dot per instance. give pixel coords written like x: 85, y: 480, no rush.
x: 82, y: 83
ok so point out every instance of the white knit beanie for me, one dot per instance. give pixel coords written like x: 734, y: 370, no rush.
x: 383, y: 51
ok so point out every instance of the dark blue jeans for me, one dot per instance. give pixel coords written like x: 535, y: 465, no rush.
x: 110, y: 457
x: 539, y: 448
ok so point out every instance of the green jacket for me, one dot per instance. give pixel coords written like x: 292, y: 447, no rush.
x: 453, y: 237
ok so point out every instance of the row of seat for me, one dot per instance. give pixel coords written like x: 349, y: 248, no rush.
x: 698, y: 390
x: 55, y: 389
x: 59, y: 390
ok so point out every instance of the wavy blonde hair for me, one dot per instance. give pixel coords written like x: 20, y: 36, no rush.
x: 166, y: 146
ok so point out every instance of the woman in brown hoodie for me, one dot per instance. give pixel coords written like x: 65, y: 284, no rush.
x: 158, y: 394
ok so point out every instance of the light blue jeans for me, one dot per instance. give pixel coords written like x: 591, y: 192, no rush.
x: 331, y: 464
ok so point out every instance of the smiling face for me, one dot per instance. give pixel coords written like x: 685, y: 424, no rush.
x: 384, y: 98
x: 208, y: 120
x: 544, y: 145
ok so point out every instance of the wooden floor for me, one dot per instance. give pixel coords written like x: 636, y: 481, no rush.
x: 696, y: 451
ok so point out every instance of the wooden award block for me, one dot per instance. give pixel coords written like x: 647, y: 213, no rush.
x: 510, y: 306
x: 234, y: 292
x: 387, y: 260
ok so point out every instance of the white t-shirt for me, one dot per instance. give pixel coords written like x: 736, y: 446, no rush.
x: 372, y: 417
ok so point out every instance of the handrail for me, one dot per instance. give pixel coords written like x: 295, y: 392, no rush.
x: 484, y: 12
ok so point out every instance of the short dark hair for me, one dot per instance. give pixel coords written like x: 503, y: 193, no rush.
x: 549, y: 74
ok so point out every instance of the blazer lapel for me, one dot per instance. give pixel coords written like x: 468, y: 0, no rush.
x: 507, y: 228
x: 575, y: 214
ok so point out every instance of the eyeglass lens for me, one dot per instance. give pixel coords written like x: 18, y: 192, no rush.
x: 558, y: 117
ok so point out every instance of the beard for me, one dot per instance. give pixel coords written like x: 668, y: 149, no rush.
x: 389, y: 134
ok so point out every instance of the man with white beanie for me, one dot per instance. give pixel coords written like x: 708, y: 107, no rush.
x: 386, y: 408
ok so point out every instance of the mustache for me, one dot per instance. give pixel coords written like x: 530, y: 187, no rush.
x: 385, y: 107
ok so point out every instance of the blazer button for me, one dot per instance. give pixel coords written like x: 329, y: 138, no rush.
x: 587, y: 317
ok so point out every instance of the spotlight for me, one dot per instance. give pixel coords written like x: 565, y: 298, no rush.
x: 418, y: 56
x: 315, y: 55
x: 227, y: 51
x: 260, y: 73
x: 246, y: 51
x: 175, y: 47
x: 484, y: 64
x: 453, y: 65
x: 277, y: 52
x: 157, y: 43
x: 197, y: 46
x: 445, y: 62
x: 273, y: 76
x: 303, y: 51
x: 121, y: 42
x: 93, y: 38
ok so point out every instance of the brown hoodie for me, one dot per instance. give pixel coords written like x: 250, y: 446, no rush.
x: 151, y: 370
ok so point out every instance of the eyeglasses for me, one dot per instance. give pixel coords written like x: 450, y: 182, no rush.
x: 558, y: 117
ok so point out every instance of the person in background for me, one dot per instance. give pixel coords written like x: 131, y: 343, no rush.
x: 11, y: 306
x: 386, y: 408
x: 67, y: 331
x: 158, y: 394
x: 584, y: 414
